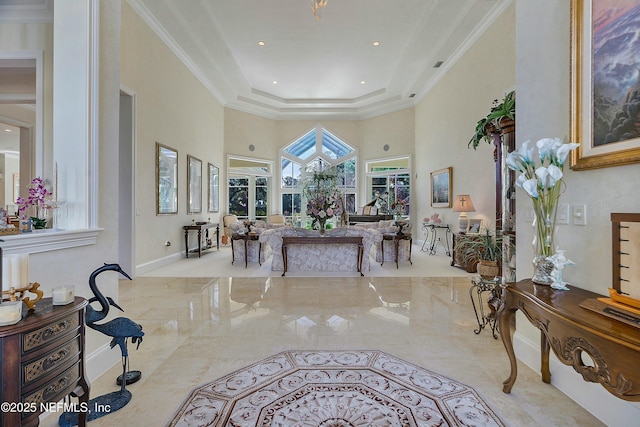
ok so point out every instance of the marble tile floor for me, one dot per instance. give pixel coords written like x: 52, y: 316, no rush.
x: 199, y: 329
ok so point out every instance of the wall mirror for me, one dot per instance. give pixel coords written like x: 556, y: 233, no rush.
x: 214, y: 188
x: 166, y: 180
x: 194, y: 204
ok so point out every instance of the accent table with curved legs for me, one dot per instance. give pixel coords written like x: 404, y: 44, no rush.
x: 572, y: 332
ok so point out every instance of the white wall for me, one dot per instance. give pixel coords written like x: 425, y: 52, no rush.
x: 446, y: 118
x: 543, y: 82
x: 174, y: 109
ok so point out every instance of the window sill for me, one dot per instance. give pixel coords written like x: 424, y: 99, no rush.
x: 48, y: 240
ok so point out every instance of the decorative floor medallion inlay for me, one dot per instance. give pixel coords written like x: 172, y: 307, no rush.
x: 334, y: 389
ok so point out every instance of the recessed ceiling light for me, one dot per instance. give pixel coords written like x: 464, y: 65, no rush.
x: 275, y: 82
x: 261, y: 43
x: 362, y: 82
x: 376, y: 43
x: 7, y: 130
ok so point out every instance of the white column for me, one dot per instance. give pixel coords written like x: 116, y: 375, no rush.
x: 75, y: 108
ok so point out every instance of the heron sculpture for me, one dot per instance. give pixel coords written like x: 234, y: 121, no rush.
x: 120, y: 329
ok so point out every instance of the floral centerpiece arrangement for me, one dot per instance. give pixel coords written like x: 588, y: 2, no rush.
x: 40, y: 198
x: 323, y: 198
x: 543, y: 183
x: 398, y: 208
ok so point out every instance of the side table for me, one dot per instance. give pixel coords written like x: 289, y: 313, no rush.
x: 431, y: 236
x: 480, y: 286
x: 396, y: 238
x: 43, y: 361
x: 246, y: 237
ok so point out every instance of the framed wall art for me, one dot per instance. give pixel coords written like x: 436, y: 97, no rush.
x: 214, y: 188
x: 166, y: 180
x: 441, y: 188
x: 194, y: 203
x: 474, y: 225
x: 605, y: 93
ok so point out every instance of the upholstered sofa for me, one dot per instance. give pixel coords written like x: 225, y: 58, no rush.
x: 389, y: 227
x: 319, y: 257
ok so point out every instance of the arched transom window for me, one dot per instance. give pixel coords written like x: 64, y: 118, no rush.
x: 316, y: 150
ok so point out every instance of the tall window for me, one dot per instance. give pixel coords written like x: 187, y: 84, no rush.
x: 317, y: 150
x: 391, y: 180
x: 248, y: 187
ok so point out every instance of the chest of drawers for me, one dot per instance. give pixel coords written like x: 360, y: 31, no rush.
x: 43, y: 361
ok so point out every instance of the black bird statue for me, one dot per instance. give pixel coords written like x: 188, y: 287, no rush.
x: 120, y: 328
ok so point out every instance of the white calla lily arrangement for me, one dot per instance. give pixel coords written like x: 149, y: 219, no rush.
x: 543, y: 183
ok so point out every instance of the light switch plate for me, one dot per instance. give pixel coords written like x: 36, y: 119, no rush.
x: 563, y: 214
x: 579, y: 214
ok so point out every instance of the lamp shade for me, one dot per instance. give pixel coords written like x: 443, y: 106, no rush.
x: 463, y: 203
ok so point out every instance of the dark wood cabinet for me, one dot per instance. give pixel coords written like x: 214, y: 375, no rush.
x: 43, y: 361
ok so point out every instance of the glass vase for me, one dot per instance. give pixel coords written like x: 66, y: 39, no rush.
x: 544, y: 241
x: 322, y: 223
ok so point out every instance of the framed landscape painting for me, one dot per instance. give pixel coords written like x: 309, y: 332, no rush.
x: 194, y: 203
x: 214, y: 188
x: 605, y: 83
x: 441, y: 188
x: 166, y: 180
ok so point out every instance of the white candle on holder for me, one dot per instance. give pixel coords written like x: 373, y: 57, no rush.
x: 10, y: 313
x: 63, y: 295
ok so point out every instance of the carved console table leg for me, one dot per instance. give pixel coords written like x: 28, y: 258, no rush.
x: 544, y: 358
x: 507, y: 322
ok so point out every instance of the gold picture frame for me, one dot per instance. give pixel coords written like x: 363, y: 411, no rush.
x: 441, y: 181
x: 166, y: 180
x: 601, y: 145
x: 194, y: 190
x: 214, y: 188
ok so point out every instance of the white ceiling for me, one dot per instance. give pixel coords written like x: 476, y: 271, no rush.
x: 319, y: 64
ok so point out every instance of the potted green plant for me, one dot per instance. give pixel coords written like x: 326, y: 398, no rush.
x: 502, y: 114
x: 487, y: 249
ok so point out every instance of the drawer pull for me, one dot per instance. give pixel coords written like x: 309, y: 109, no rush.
x: 44, y: 365
x: 44, y: 335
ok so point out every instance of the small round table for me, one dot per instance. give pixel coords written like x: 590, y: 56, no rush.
x: 396, y: 238
x: 246, y: 237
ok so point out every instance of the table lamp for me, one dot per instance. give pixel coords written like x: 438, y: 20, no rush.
x: 463, y: 204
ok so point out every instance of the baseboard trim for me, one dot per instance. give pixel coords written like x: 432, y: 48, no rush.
x: 101, y: 360
x: 157, y: 263
x: 591, y: 396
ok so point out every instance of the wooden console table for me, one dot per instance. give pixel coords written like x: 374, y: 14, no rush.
x: 199, y: 228
x: 570, y: 330
x: 43, y: 361
x: 318, y: 240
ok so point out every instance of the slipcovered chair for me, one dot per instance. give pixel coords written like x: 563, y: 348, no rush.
x: 227, y: 220
x: 276, y: 219
x: 255, y: 251
x: 386, y: 227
